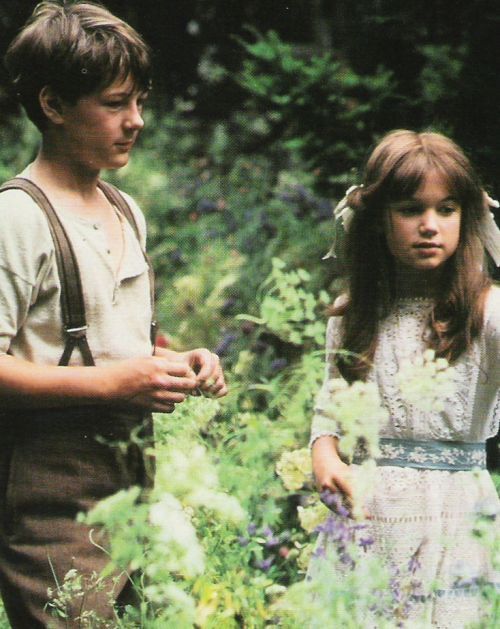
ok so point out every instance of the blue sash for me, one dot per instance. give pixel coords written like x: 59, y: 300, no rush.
x: 453, y: 456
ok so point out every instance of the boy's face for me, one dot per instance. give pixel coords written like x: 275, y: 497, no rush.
x: 100, y: 129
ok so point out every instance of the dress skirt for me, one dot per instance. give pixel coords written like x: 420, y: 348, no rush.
x: 421, y: 526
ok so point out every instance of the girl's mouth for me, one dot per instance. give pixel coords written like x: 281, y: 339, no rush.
x: 427, y: 245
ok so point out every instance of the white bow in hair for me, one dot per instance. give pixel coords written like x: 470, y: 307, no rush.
x: 489, y: 232
x: 345, y: 214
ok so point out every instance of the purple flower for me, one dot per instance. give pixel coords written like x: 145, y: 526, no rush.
x: 414, y: 564
x: 206, y: 206
x: 319, y: 553
x: 365, y: 542
x: 271, y: 539
x: 224, y: 345
x: 243, y: 541
x: 252, y: 529
x: 272, y: 542
x: 264, y: 564
x: 333, y: 501
x: 278, y: 364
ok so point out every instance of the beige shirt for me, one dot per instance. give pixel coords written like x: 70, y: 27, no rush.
x: 117, y: 304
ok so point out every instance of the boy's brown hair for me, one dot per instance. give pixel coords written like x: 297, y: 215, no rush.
x: 76, y: 48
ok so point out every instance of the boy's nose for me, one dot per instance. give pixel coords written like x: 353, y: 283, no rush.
x: 134, y: 119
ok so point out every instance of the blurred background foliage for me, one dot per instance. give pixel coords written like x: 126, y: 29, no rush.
x: 260, y: 118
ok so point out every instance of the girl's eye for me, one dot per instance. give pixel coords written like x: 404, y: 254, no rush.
x: 409, y: 210
x: 448, y: 209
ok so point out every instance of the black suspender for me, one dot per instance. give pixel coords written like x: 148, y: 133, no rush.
x: 72, y: 301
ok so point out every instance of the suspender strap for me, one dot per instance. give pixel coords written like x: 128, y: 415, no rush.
x: 116, y: 199
x: 72, y: 302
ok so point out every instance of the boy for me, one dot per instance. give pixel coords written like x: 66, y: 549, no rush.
x: 82, y: 76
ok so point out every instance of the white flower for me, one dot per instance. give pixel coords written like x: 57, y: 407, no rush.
x: 427, y: 382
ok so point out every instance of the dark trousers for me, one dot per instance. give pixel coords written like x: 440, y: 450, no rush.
x: 54, y: 465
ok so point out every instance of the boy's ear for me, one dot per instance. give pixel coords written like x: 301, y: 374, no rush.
x: 51, y: 104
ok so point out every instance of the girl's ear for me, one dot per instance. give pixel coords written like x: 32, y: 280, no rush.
x: 51, y: 105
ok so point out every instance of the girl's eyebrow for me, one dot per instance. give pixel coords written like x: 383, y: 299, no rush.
x: 415, y: 201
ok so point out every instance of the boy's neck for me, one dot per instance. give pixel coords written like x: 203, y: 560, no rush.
x: 58, y: 173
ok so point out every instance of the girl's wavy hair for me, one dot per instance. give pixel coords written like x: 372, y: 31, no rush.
x: 76, y: 49
x: 394, y: 172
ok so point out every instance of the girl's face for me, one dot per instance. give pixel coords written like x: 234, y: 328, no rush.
x: 423, y: 231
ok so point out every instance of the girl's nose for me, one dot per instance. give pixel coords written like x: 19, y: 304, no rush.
x: 428, y: 223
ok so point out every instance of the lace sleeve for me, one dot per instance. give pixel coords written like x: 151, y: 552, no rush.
x: 321, y: 423
x: 492, y: 339
x: 492, y: 333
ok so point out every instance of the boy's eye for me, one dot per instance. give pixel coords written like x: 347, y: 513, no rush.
x: 114, y: 103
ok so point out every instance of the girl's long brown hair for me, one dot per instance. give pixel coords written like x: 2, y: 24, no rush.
x: 395, y: 170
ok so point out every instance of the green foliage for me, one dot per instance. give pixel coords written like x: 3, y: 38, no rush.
x: 317, y: 105
x: 288, y: 310
x: 18, y: 146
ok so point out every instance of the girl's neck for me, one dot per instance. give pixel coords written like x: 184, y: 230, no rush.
x: 413, y: 283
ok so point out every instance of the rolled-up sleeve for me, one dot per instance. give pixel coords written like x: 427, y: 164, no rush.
x: 322, y: 421
x: 26, y: 251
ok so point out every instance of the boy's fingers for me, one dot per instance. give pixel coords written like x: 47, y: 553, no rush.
x: 166, y: 397
x: 174, y: 383
x: 163, y: 407
x: 176, y: 368
x: 209, y: 366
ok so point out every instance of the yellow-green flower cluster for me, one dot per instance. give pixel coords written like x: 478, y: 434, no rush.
x: 295, y: 468
x: 312, y: 516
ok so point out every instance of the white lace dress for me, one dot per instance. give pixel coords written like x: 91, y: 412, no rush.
x: 431, y: 511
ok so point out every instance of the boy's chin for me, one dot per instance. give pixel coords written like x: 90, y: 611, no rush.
x: 117, y: 162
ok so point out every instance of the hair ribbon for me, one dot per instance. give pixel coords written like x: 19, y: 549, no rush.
x: 489, y: 233
x: 341, y: 214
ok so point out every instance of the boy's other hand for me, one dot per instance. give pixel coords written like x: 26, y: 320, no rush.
x: 205, y: 364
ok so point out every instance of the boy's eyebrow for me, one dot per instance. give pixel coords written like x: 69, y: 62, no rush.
x: 118, y: 93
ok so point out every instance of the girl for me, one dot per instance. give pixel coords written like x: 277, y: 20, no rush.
x: 417, y: 280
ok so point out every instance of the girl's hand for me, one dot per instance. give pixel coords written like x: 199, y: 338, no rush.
x: 330, y: 472
x: 206, y: 366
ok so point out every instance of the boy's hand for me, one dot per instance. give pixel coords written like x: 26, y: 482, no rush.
x: 154, y: 383
x: 205, y: 364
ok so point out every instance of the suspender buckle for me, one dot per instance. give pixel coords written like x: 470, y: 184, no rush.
x: 77, y: 333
